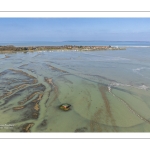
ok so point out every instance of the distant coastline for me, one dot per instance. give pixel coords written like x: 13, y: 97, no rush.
x: 12, y: 48
x: 76, y: 43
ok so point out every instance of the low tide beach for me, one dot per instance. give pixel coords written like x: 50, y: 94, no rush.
x: 108, y: 90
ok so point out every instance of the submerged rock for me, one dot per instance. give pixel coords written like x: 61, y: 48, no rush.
x: 82, y: 129
x: 65, y: 107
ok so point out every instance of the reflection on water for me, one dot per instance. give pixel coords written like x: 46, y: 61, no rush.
x: 108, y: 91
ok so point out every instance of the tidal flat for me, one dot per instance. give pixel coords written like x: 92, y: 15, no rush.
x: 109, y: 91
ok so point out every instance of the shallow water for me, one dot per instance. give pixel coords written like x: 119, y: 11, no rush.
x: 108, y: 91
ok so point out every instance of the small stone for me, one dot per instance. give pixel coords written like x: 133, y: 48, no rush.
x: 65, y: 107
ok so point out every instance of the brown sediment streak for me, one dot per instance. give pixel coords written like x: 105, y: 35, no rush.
x: 94, y: 123
x: 38, y: 85
x: 32, y: 95
x: 49, y: 80
x: 39, y: 98
x: 14, y: 89
x: 31, y: 110
x: 19, y: 86
x: 53, y: 88
x: 131, y: 109
x: 7, y: 94
x: 18, y: 108
x: 89, y: 95
x: 27, y: 127
x: 101, y: 77
x: 56, y: 94
x: 48, y: 97
x: 95, y: 127
x: 36, y: 101
x: 28, y: 98
x: 22, y: 65
x: 57, y: 69
x: 36, y: 107
x: 89, y: 104
x: 24, y: 73
x: 38, y: 92
x: 103, y: 91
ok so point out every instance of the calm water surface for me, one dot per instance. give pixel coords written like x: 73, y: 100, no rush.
x: 109, y: 91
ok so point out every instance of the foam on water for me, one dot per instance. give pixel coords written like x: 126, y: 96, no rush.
x: 144, y: 46
x: 113, y: 84
x: 141, y: 68
x: 141, y: 71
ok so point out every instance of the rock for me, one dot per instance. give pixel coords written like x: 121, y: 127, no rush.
x: 82, y: 129
x: 65, y: 107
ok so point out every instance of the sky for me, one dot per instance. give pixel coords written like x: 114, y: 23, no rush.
x: 74, y: 29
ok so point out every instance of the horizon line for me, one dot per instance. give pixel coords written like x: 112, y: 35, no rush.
x: 79, y: 41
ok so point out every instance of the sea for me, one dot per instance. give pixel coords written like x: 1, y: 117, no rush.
x: 108, y: 90
x: 78, y: 43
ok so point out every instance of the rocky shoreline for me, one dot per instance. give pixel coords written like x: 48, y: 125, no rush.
x: 11, y: 48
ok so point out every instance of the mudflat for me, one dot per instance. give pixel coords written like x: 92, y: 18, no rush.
x: 108, y: 91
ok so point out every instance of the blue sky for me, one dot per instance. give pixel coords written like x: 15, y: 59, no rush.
x: 74, y: 29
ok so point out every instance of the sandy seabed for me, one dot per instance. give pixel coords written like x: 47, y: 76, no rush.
x: 105, y: 94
